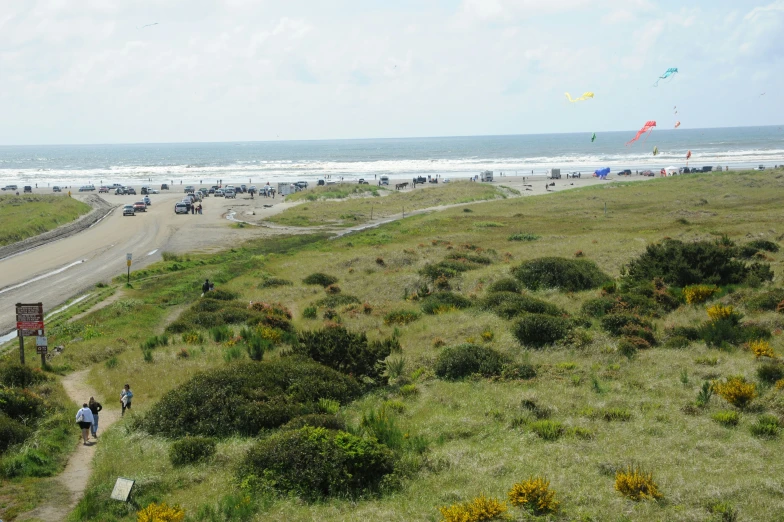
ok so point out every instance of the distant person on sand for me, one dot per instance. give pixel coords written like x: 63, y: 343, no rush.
x: 126, y: 395
x: 84, y: 418
x: 95, y: 407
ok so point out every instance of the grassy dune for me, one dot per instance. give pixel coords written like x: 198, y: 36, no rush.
x: 29, y: 215
x: 356, y: 210
x: 480, y: 433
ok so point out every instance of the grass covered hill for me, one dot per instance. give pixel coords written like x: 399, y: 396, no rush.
x: 510, y: 359
x: 29, y: 215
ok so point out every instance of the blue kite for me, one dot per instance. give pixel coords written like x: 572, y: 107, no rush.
x: 669, y: 72
x: 602, y: 173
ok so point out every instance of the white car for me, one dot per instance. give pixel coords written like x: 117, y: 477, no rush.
x: 446, y: 180
x: 219, y: 193
x: 230, y: 194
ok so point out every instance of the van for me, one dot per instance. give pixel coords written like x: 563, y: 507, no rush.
x: 28, y: 189
x: 385, y: 180
x: 487, y: 175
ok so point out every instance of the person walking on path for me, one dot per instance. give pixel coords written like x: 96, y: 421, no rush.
x: 95, y: 407
x: 84, y: 418
x: 125, y: 398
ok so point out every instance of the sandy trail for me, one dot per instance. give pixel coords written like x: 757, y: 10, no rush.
x: 80, y: 464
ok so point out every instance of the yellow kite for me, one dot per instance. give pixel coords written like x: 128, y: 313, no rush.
x: 584, y: 97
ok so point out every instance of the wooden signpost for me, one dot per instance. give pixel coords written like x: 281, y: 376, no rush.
x: 30, y: 323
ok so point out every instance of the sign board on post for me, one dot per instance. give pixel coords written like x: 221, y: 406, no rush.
x: 122, y: 489
x: 29, y: 322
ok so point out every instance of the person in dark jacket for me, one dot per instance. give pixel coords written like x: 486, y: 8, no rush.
x: 206, y: 286
x: 95, y: 407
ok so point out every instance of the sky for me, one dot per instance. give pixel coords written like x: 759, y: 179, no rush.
x: 96, y: 71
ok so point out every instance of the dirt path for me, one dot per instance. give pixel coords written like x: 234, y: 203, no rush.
x: 80, y: 464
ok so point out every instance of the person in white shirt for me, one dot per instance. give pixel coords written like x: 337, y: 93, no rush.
x: 84, y: 418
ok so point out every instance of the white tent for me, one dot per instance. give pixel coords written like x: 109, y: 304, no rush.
x: 671, y: 171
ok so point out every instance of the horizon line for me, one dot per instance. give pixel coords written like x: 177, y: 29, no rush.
x: 363, y: 139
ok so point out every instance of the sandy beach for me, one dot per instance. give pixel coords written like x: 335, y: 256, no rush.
x: 59, y: 270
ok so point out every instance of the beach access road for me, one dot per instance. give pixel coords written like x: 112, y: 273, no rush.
x: 56, y: 271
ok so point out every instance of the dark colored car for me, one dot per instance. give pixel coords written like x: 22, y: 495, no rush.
x: 321, y: 182
x: 420, y: 179
x: 129, y: 190
x: 361, y: 181
x: 164, y: 186
x: 28, y: 189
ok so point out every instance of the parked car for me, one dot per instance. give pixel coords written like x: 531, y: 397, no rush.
x: 646, y: 173
x: 761, y: 167
x: 243, y: 189
x: 447, y: 180
x: 420, y: 179
x: 188, y: 203
x: 129, y: 190
x: 54, y: 189
x: 86, y: 188
x: 164, y: 186
x: 230, y: 194
x: 302, y: 185
x: 361, y: 181
x: 189, y: 189
x: 27, y: 189
x: 103, y: 190
x: 321, y: 183
x: 384, y: 180
x: 625, y: 172
x: 128, y: 210
x: 181, y: 208
x: 10, y: 187
x: 147, y: 201
x: 119, y: 192
x: 218, y: 193
x: 139, y: 206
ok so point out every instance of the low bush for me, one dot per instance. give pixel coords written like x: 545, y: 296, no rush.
x: 441, y: 302
x: 310, y: 312
x: 767, y: 427
x: 272, y: 282
x: 221, y: 295
x: 514, y: 371
x: 348, y: 352
x: 726, y: 418
x: 220, y: 334
x: 617, y: 324
x: 382, y: 426
x: 401, y: 317
x: 599, y: 306
x: 506, y: 284
x: 752, y: 248
x: 770, y: 372
x: 247, y: 397
x: 316, y: 420
x: 695, y: 294
x: 190, y: 450
x: 12, y: 432
x: 537, y: 330
x: 471, y: 258
x: 19, y: 375
x: 570, y: 275
x: 761, y: 348
x: 636, y: 484
x: 21, y: 404
x: 688, y: 332
x: 683, y: 264
x: 160, y: 513
x: 534, y: 495
x: 615, y: 414
x: 320, y: 279
x: 457, y: 362
x: 316, y: 463
x: 447, y: 269
x: 509, y: 305
x: 523, y: 236
x: 481, y: 509
x: 736, y: 391
x: 765, y: 301
x: 334, y: 301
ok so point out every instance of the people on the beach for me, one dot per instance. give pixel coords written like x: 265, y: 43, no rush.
x: 126, y: 395
x: 84, y: 418
x: 95, y: 407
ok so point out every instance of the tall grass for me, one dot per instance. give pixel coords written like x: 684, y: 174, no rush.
x: 29, y: 215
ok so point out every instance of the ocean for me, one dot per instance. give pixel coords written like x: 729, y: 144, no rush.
x: 403, y: 158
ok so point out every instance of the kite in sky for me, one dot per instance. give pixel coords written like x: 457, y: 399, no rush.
x: 677, y: 124
x: 593, y: 138
x: 655, y: 151
x: 688, y: 155
x: 584, y: 97
x: 669, y: 72
x: 648, y: 127
x: 148, y: 25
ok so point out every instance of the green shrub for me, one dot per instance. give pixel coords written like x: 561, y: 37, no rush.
x: 310, y: 312
x: 683, y: 264
x: 12, y: 432
x: 316, y: 420
x: 514, y: 371
x: 316, y: 463
x: 506, y: 284
x: 753, y: 247
x: 220, y: 334
x: 346, y: 351
x: 767, y: 427
x: 538, y: 330
x: 21, y: 376
x: 382, y: 426
x: 471, y: 258
x: 20, y: 404
x: 547, y: 429
x: 244, y: 398
x: 336, y: 300
x: 616, y: 414
x: 523, y: 236
x: 726, y: 418
x: 401, y: 317
x: 320, y: 279
x: 441, y: 302
x: 447, y: 268
x: 765, y: 300
x: 460, y: 361
x: 155, y: 341
x: 770, y: 372
x: 598, y: 306
x: 570, y: 275
x: 190, y: 450
x: 617, y: 324
x: 689, y: 332
x: 272, y: 282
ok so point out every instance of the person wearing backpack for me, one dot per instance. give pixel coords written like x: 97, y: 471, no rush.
x: 125, y: 398
x: 84, y: 418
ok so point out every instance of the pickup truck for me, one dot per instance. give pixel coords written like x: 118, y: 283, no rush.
x: 420, y: 179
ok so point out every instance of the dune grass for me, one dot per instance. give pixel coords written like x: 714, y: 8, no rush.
x: 357, y: 210
x: 480, y: 434
x: 29, y: 215
x: 337, y: 191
